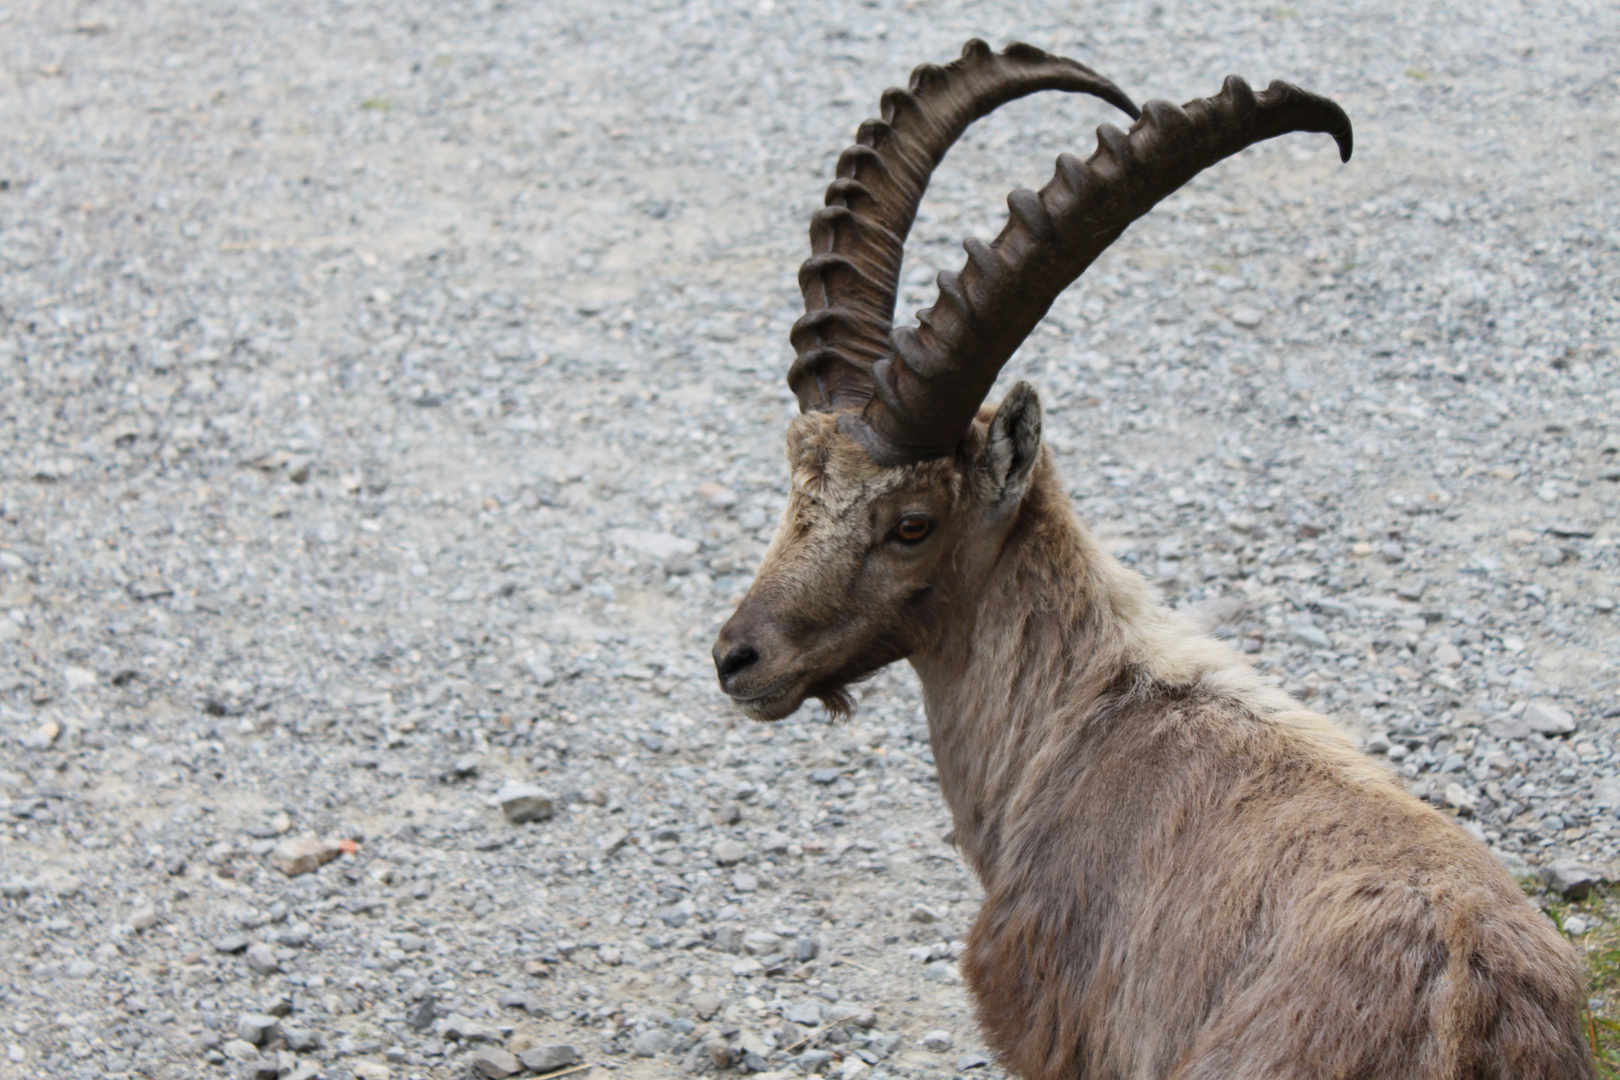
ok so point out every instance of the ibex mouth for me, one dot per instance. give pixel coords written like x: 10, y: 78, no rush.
x: 775, y: 703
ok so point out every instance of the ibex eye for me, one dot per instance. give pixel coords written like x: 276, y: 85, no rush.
x: 913, y: 530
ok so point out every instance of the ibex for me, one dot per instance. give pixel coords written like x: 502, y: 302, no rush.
x: 1187, y: 874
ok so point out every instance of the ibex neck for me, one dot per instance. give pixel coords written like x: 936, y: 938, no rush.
x: 1056, y: 625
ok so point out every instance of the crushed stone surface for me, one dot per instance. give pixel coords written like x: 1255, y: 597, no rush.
x: 391, y: 402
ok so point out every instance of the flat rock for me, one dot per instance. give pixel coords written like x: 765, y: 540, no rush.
x: 850, y: 1012
x: 256, y: 1028
x: 662, y: 546
x: 494, y: 1062
x: 262, y: 957
x: 716, y: 494
x: 806, y: 1012
x: 652, y: 1042
x: 303, y: 854
x: 464, y: 1029
x: 1460, y: 799
x: 41, y: 737
x: 1570, y: 879
x: 1308, y: 634
x: 1508, y: 726
x: 1548, y: 719
x: 522, y: 803
x: 542, y: 1059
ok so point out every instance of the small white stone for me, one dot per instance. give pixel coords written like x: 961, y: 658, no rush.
x: 1548, y: 718
x: 729, y: 852
x: 78, y: 678
x: 523, y: 803
x: 1460, y: 799
x: 43, y: 736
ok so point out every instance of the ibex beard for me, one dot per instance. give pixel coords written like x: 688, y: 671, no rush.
x: 1187, y: 874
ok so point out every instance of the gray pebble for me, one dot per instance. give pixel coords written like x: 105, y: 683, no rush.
x: 652, y: 1042
x: 1548, y: 719
x: 805, y: 1012
x: 1570, y: 879
x: 240, y: 1050
x: 41, y: 737
x: 256, y: 1028
x: 704, y: 1004
x: 261, y: 957
x: 461, y: 1028
x: 260, y: 1069
x: 542, y: 1059
x: 494, y: 1062
x: 1307, y: 634
x: 813, y: 1061
x: 522, y: 803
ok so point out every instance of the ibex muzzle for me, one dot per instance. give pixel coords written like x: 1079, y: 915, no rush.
x: 1187, y: 874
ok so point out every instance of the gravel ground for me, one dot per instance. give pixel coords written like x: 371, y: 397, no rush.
x: 392, y: 408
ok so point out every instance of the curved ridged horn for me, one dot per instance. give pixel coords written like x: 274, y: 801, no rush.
x: 931, y: 385
x: 858, y: 239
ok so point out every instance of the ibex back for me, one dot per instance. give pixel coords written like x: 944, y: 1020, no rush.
x: 1187, y: 874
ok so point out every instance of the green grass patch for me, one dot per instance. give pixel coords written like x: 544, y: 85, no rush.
x: 1598, y: 942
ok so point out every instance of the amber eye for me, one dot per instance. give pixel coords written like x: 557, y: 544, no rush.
x: 913, y: 530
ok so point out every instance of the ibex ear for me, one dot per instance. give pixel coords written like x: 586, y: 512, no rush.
x: 1009, y: 453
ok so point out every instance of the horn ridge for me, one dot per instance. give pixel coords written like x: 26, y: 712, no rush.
x: 932, y: 386
x: 880, y: 183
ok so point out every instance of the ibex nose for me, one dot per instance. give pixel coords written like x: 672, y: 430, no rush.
x: 732, y: 662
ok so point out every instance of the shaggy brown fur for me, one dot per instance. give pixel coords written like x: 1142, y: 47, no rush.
x: 1187, y: 874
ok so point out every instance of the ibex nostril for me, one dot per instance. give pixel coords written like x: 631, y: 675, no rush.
x: 734, y: 661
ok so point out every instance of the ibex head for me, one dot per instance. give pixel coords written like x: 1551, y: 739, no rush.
x: 902, y: 489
